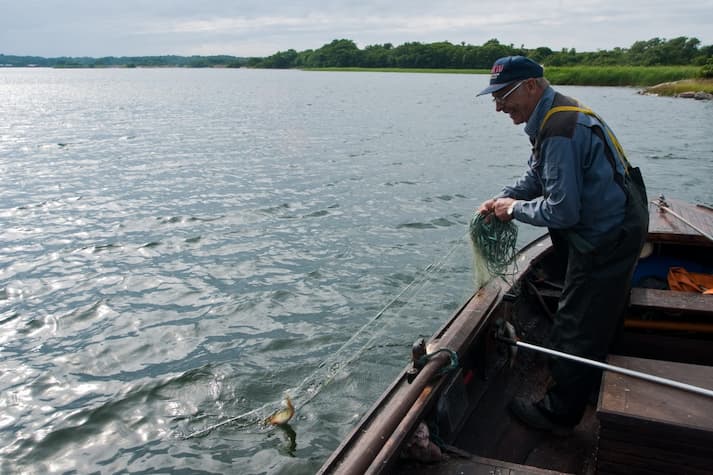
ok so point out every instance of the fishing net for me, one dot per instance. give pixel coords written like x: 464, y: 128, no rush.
x: 359, y: 370
x: 494, y: 247
x: 359, y: 364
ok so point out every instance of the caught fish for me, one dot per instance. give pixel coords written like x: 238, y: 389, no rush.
x: 283, y: 415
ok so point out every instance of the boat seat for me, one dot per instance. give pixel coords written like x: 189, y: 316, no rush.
x: 655, y: 299
x: 671, y: 300
x: 649, y: 426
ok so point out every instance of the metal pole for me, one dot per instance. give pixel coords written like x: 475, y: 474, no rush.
x: 669, y: 210
x: 617, y: 369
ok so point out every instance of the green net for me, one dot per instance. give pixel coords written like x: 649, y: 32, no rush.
x: 494, y: 247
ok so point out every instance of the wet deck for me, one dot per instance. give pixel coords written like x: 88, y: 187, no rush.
x: 666, y: 227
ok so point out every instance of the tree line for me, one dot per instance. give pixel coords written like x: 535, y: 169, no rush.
x: 345, y: 53
x: 341, y: 53
x: 124, y: 61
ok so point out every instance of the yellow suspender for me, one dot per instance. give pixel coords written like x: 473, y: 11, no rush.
x: 617, y: 145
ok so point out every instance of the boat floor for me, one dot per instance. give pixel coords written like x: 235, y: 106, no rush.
x: 493, y: 438
x: 462, y: 463
x: 496, y: 434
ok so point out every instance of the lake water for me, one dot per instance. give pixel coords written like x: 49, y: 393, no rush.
x: 181, y: 248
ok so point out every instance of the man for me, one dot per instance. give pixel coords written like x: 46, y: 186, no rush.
x: 580, y: 186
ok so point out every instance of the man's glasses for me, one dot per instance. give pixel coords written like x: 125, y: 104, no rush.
x: 501, y: 100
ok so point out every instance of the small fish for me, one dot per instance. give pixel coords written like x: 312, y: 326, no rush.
x: 282, y: 416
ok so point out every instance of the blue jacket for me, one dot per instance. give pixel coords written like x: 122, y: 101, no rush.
x: 570, y: 183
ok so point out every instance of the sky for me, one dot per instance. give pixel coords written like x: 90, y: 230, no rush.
x: 245, y: 28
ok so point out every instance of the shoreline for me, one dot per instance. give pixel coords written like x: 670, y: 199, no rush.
x: 699, y: 89
x: 664, y: 81
x: 667, y: 81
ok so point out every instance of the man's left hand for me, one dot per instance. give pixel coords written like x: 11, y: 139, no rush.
x: 500, y: 208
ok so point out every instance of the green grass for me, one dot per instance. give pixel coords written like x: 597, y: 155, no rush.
x: 404, y: 70
x: 677, y: 87
x: 641, y: 76
x: 619, y: 75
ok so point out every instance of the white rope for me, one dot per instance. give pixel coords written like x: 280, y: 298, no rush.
x: 334, y: 367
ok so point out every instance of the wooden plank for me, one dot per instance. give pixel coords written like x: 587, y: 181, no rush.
x: 641, y: 465
x: 652, y: 440
x: 628, y: 398
x: 680, y: 348
x: 664, y: 227
x: 671, y: 300
x: 472, y: 464
x: 611, y: 447
x: 655, y: 299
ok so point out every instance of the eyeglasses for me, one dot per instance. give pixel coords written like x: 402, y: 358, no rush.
x: 501, y: 100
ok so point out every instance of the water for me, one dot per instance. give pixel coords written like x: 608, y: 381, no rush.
x: 181, y: 247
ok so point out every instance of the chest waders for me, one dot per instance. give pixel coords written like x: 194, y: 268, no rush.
x: 597, y: 281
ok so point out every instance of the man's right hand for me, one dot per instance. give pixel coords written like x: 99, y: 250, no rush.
x: 488, y: 207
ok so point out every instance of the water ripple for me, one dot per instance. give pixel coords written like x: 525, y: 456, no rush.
x: 183, y: 246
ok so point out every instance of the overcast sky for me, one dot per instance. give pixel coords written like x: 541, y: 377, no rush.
x: 262, y: 27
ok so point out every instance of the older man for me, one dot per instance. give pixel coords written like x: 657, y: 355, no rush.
x: 579, y: 185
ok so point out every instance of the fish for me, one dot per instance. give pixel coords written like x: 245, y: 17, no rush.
x: 282, y: 416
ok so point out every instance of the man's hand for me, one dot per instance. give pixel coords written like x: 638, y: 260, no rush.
x: 500, y: 208
x: 487, y: 207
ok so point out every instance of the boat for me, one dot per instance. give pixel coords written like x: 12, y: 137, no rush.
x: 446, y: 413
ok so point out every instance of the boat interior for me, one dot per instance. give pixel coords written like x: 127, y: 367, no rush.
x: 631, y: 425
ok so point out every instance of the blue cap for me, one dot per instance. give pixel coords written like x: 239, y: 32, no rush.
x: 509, y: 69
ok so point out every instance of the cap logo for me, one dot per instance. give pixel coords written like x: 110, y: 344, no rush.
x: 495, y: 72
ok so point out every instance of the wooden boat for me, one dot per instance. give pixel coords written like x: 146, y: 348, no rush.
x: 631, y: 426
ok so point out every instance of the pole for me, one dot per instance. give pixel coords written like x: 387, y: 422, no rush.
x: 669, y: 210
x: 615, y: 369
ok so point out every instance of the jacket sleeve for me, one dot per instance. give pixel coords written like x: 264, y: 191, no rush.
x: 557, y: 205
x: 527, y: 187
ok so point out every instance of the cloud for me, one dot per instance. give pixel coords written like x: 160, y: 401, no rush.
x: 263, y: 27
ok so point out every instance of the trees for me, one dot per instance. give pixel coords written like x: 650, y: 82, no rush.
x: 660, y: 52
x: 377, y: 56
x: 280, y: 60
x: 440, y: 55
x: 344, y: 53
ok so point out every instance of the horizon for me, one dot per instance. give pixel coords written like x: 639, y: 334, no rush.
x: 2, y: 53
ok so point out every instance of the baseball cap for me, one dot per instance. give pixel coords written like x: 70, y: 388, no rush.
x: 509, y: 69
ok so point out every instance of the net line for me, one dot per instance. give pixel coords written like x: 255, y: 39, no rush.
x: 328, y: 369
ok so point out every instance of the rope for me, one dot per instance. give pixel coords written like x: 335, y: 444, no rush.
x: 495, y: 241
x: 451, y: 354
x: 329, y: 368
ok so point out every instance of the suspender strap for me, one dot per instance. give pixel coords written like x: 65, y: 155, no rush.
x: 590, y: 112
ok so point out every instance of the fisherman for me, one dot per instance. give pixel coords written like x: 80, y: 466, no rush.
x: 579, y: 185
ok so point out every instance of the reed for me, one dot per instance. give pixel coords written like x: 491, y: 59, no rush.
x: 619, y: 75
x: 662, y: 80
x: 572, y: 75
x: 404, y: 70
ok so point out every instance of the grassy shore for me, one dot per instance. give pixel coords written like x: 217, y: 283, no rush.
x: 641, y: 76
x: 403, y: 70
x: 675, y: 88
x: 635, y: 76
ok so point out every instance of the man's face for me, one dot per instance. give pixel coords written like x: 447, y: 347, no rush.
x: 516, y: 100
